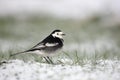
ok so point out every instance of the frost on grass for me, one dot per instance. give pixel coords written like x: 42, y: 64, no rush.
x: 19, y: 70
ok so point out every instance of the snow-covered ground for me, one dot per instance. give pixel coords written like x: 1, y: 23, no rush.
x: 19, y: 70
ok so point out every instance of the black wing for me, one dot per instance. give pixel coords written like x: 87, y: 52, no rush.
x: 42, y: 46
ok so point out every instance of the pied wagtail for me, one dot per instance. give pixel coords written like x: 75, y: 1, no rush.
x: 48, y: 46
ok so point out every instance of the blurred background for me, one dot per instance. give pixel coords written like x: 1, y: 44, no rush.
x: 92, y: 26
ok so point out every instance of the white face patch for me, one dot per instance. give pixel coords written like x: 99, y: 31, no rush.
x: 58, y: 35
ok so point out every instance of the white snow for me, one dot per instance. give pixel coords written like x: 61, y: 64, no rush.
x: 19, y: 70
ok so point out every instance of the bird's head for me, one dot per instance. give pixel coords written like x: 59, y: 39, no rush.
x: 58, y: 34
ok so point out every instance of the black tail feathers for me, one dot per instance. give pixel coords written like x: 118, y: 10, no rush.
x: 18, y: 53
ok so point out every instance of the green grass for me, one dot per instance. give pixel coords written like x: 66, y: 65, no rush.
x: 75, y: 57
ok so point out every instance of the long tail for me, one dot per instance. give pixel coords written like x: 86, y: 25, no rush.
x: 18, y: 53
x: 22, y: 52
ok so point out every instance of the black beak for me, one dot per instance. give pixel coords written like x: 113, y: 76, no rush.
x: 63, y: 34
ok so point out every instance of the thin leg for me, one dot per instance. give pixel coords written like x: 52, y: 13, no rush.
x: 47, y: 60
x: 50, y: 60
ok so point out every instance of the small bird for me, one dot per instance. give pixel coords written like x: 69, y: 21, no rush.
x: 47, y: 47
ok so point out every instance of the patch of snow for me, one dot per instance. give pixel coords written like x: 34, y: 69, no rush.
x: 19, y: 70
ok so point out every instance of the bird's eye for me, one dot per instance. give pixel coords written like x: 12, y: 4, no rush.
x: 57, y: 34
